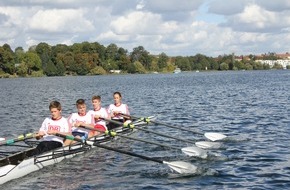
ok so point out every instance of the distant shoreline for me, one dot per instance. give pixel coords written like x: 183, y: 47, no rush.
x: 155, y: 73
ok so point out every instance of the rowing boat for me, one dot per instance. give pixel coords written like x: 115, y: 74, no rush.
x: 19, y: 164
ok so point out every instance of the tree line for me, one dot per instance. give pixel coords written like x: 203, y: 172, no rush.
x: 95, y: 59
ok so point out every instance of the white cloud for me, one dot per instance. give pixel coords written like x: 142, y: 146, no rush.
x: 111, y: 36
x: 174, y: 27
x: 55, y: 20
x: 137, y: 23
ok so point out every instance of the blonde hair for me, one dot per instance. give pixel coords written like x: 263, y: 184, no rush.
x: 96, y: 98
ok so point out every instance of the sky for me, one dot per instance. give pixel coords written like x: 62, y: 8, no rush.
x: 173, y: 27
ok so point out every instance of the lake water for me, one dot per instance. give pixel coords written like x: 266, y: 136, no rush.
x: 250, y: 107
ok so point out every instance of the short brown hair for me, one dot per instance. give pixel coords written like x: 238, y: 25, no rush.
x: 80, y: 102
x: 96, y: 98
x: 55, y: 104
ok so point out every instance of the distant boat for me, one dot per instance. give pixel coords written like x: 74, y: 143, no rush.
x: 197, y: 71
x: 177, y: 70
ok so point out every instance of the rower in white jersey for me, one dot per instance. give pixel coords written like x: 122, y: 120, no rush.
x: 51, y: 125
x: 115, y: 110
x: 98, y: 114
x: 81, y: 118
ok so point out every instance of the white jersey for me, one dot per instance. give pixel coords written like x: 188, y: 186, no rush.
x: 61, y: 125
x: 123, y: 108
x: 75, y: 117
x: 102, y: 113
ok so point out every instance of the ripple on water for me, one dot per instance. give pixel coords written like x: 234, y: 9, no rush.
x: 249, y: 107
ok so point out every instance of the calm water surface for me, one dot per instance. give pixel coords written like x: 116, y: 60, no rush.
x: 252, y: 108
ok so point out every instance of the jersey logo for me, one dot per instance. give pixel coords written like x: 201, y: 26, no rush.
x: 54, y: 128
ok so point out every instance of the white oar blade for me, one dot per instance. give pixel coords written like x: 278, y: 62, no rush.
x: 195, y: 152
x: 182, y: 167
x: 208, y: 145
x: 2, y: 139
x: 215, y: 136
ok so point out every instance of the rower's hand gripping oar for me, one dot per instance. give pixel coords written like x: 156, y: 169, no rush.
x: 19, y: 138
x: 209, y: 135
x: 190, y: 151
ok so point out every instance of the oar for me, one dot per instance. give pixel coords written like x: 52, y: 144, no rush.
x: 132, y: 126
x: 210, y: 135
x: 178, y: 166
x: 69, y: 137
x: 190, y: 151
x: 19, y: 138
x: 209, y: 144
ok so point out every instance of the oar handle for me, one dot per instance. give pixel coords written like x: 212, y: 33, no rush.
x: 69, y: 137
x: 19, y: 138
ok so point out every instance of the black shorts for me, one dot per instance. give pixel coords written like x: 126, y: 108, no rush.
x: 45, y: 146
x: 111, y: 125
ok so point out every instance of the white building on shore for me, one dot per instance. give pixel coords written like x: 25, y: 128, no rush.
x: 271, y: 63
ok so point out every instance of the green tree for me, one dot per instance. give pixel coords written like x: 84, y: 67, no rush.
x: 131, y: 68
x: 270, y: 56
x: 44, y: 52
x: 257, y: 66
x: 60, y: 69
x: 141, y: 55
x: 98, y: 70
x: 100, y: 50
x: 50, y: 69
x: 32, y: 61
x: 239, y: 65
x: 154, y: 65
x: 224, y: 66
x: 68, y: 61
x: 170, y: 67
x: 277, y: 66
x: 266, y: 66
x: 182, y: 63
x: 22, y: 69
x: 82, y: 66
x: 213, y: 64
x: 123, y: 62
x: 162, y: 60
x: 59, y: 49
x: 7, y: 61
x: 76, y: 48
x: 111, y: 52
x: 248, y: 66
x: 139, y: 68
x: 199, y: 62
x: 110, y: 65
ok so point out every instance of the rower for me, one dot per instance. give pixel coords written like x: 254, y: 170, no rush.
x: 98, y: 112
x: 81, y: 118
x: 55, y: 124
x: 115, y: 110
